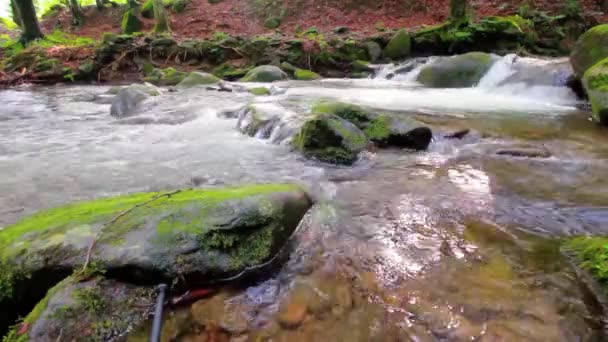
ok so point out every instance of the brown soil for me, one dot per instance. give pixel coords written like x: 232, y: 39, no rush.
x: 238, y: 17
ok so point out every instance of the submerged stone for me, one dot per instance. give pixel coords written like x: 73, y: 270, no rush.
x: 265, y: 73
x: 128, y: 98
x: 195, y: 236
x: 460, y: 71
x: 590, y: 48
x: 330, y: 139
x: 595, y: 82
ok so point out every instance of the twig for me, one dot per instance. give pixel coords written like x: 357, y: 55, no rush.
x: 116, y: 218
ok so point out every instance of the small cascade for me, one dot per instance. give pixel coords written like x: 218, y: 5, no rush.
x: 512, y: 69
x: 403, y: 72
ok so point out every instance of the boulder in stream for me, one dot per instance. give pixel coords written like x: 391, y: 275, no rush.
x: 165, y: 77
x: 595, y: 82
x: 590, y: 48
x: 197, y: 78
x: 330, y: 139
x: 190, y: 236
x: 128, y: 98
x: 265, y: 73
x: 384, y: 130
x: 257, y: 120
x: 460, y: 71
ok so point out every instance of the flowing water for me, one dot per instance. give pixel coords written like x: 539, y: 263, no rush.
x: 457, y: 243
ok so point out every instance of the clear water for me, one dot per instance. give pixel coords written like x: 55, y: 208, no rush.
x: 456, y: 243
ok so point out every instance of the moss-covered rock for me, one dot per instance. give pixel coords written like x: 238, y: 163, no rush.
x: 272, y: 23
x: 350, y: 112
x: 374, y: 51
x: 95, y: 310
x: 456, y: 72
x: 330, y: 139
x: 190, y: 235
x: 196, y: 78
x: 130, y: 22
x: 265, y: 73
x: 595, y: 82
x: 399, y: 46
x: 590, y: 48
x: 230, y: 72
x: 165, y: 77
x: 306, y: 75
x: 128, y: 98
x: 259, y: 91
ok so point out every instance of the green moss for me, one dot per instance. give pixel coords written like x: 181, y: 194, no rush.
x: 229, y: 72
x: 259, y: 91
x: 595, y: 82
x: 592, y: 255
x: 590, y: 48
x: 167, y: 77
x: 346, y: 111
x: 306, y: 75
x: 272, y: 23
x: 378, y: 129
x: 147, y: 9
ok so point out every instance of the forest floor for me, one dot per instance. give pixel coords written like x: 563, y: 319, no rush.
x: 202, y: 19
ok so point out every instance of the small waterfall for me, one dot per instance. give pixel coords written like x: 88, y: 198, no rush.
x: 500, y: 71
x: 403, y: 72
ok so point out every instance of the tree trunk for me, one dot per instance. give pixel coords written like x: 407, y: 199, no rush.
x: 15, y: 13
x: 458, y: 10
x: 77, y: 15
x: 29, y: 22
x: 161, y: 23
x: 604, y: 5
x: 99, y: 4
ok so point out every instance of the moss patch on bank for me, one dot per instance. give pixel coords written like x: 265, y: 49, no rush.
x: 592, y: 255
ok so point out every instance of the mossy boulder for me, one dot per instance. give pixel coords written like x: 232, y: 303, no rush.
x: 591, y: 254
x: 306, y: 75
x: 194, y: 236
x: 259, y: 91
x: 265, y: 73
x: 399, y: 46
x: 374, y: 51
x: 590, y: 48
x: 386, y: 130
x: 196, y: 78
x: 330, y: 139
x: 165, y: 77
x: 129, y: 98
x: 95, y: 310
x: 350, y: 112
x: 595, y: 82
x: 460, y: 71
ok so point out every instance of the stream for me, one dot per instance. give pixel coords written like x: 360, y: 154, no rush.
x: 457, y: 243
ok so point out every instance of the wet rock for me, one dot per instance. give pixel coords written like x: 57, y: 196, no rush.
x: 128, y: 98
x: 197, y: 236
x: 265, y: 73
x: 196, y: 78
x: 306, y: 75
x: 590, y: 48
x: 289, y: 68
x: 96, y: 310
x: 330, y: 139
x: 460, y: 71
x: 353, y: 113
x: 526, y: 152
x: 459, y: 134
x: 595, y: 82
x: 374, y: 51
x: 388, y: 130
x: 399, y: 46
x: 257, y: 120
